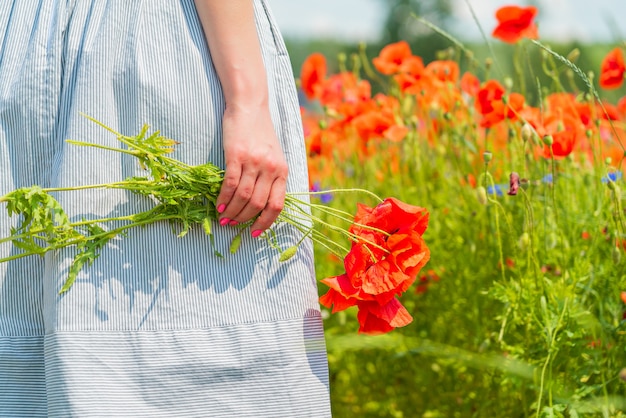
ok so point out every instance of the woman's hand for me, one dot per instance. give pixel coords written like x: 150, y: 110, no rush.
x: 256, y: 169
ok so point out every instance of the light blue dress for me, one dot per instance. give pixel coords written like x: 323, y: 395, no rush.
x: 157, y: 326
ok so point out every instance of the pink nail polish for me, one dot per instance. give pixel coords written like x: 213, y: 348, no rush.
x: 224, y: 221
x: 256, y: 233
x: 221, y: 208
x: 233, y: 223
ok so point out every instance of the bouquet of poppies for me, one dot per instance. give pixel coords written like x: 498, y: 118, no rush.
x: 386, y: 254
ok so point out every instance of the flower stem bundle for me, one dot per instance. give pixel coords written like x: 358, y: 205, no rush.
x: 185, y: 195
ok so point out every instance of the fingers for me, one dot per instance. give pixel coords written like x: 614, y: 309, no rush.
x: 274, y: 206
x: 248, y: 192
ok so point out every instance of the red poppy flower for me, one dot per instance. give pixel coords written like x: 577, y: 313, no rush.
x: 470, y: 84
x: 515, y: 23
x: 565, y: 130
x: 492, y: 104
x: 612, y: 70
x: 391, y: 57
x: 384, y: 260
x: 444, y: 70
x: 379, y: 123
x: 312, y: 74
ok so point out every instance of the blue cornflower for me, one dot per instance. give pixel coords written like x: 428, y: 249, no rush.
x: 612, y: 176
x: 498, y: 189
x: 323, y: 197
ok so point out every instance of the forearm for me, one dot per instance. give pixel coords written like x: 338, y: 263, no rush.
x: 231, y: 34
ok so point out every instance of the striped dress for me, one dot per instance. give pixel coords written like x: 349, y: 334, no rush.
x: 157, y: 326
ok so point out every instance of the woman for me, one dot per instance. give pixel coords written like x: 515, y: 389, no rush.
x: 157, y: 325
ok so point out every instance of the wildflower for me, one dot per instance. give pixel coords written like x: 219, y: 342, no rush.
x: 312, y: 74
x: 612, y: 69
x: 561, y: 135
x: 515, y: 23
x: 612, y: 176
x: 391, y: 57
x: 470, y: 84
x: 324, y: 197
x: 490, y: 102
x: 497, y: 189
x: 383, y: 262
x: 444, y: 70
x: 514, y: 182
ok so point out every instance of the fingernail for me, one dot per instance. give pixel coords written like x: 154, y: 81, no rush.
x: 256, y: 233
x: 221, y: 208
x: 224, y: 221
x: 233, y: 223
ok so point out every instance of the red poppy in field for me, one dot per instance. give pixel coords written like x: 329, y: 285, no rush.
x: 494, y: 106
x: 379, y: 123
x: 470, y: 84
x: 612, y: 69
x: 312, y: 74
x: 515, y: 23
x: 565, y: 130
x: 411, y: 75
x: 383, y: 262
x: 391, y: 57
x: 444, y: 70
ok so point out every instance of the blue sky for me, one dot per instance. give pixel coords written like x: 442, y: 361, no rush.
x: 356, y: 20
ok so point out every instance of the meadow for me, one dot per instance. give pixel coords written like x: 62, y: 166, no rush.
x: 519, y: 312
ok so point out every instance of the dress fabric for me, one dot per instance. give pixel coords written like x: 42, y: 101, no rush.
x: 157, y: 326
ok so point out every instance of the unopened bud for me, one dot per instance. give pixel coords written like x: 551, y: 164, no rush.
x: 548, y: 140
x: 288, y: 253
x: 508, y: 83
x: 608, y: 160
x: 235, y: 243
x: 481, y: 195
x: 524, y: 184
x: 527, y: 132
x: 524, y: 241
x: 591, y: 75
x: 488, y: 63
x: 487, y: 156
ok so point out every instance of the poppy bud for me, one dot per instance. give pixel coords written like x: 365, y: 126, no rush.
x: 235, y: 243
x: 591, y: 76
x: 527, y: 132
x: 548, y: 140
x: 487, y: 156
x: 481, y: 195
x: 288, y: 253
x: 608, y: 160
x: 524, y: 184
x: 524, y: 241
x: 508, y: 83
x: 322, y: 124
